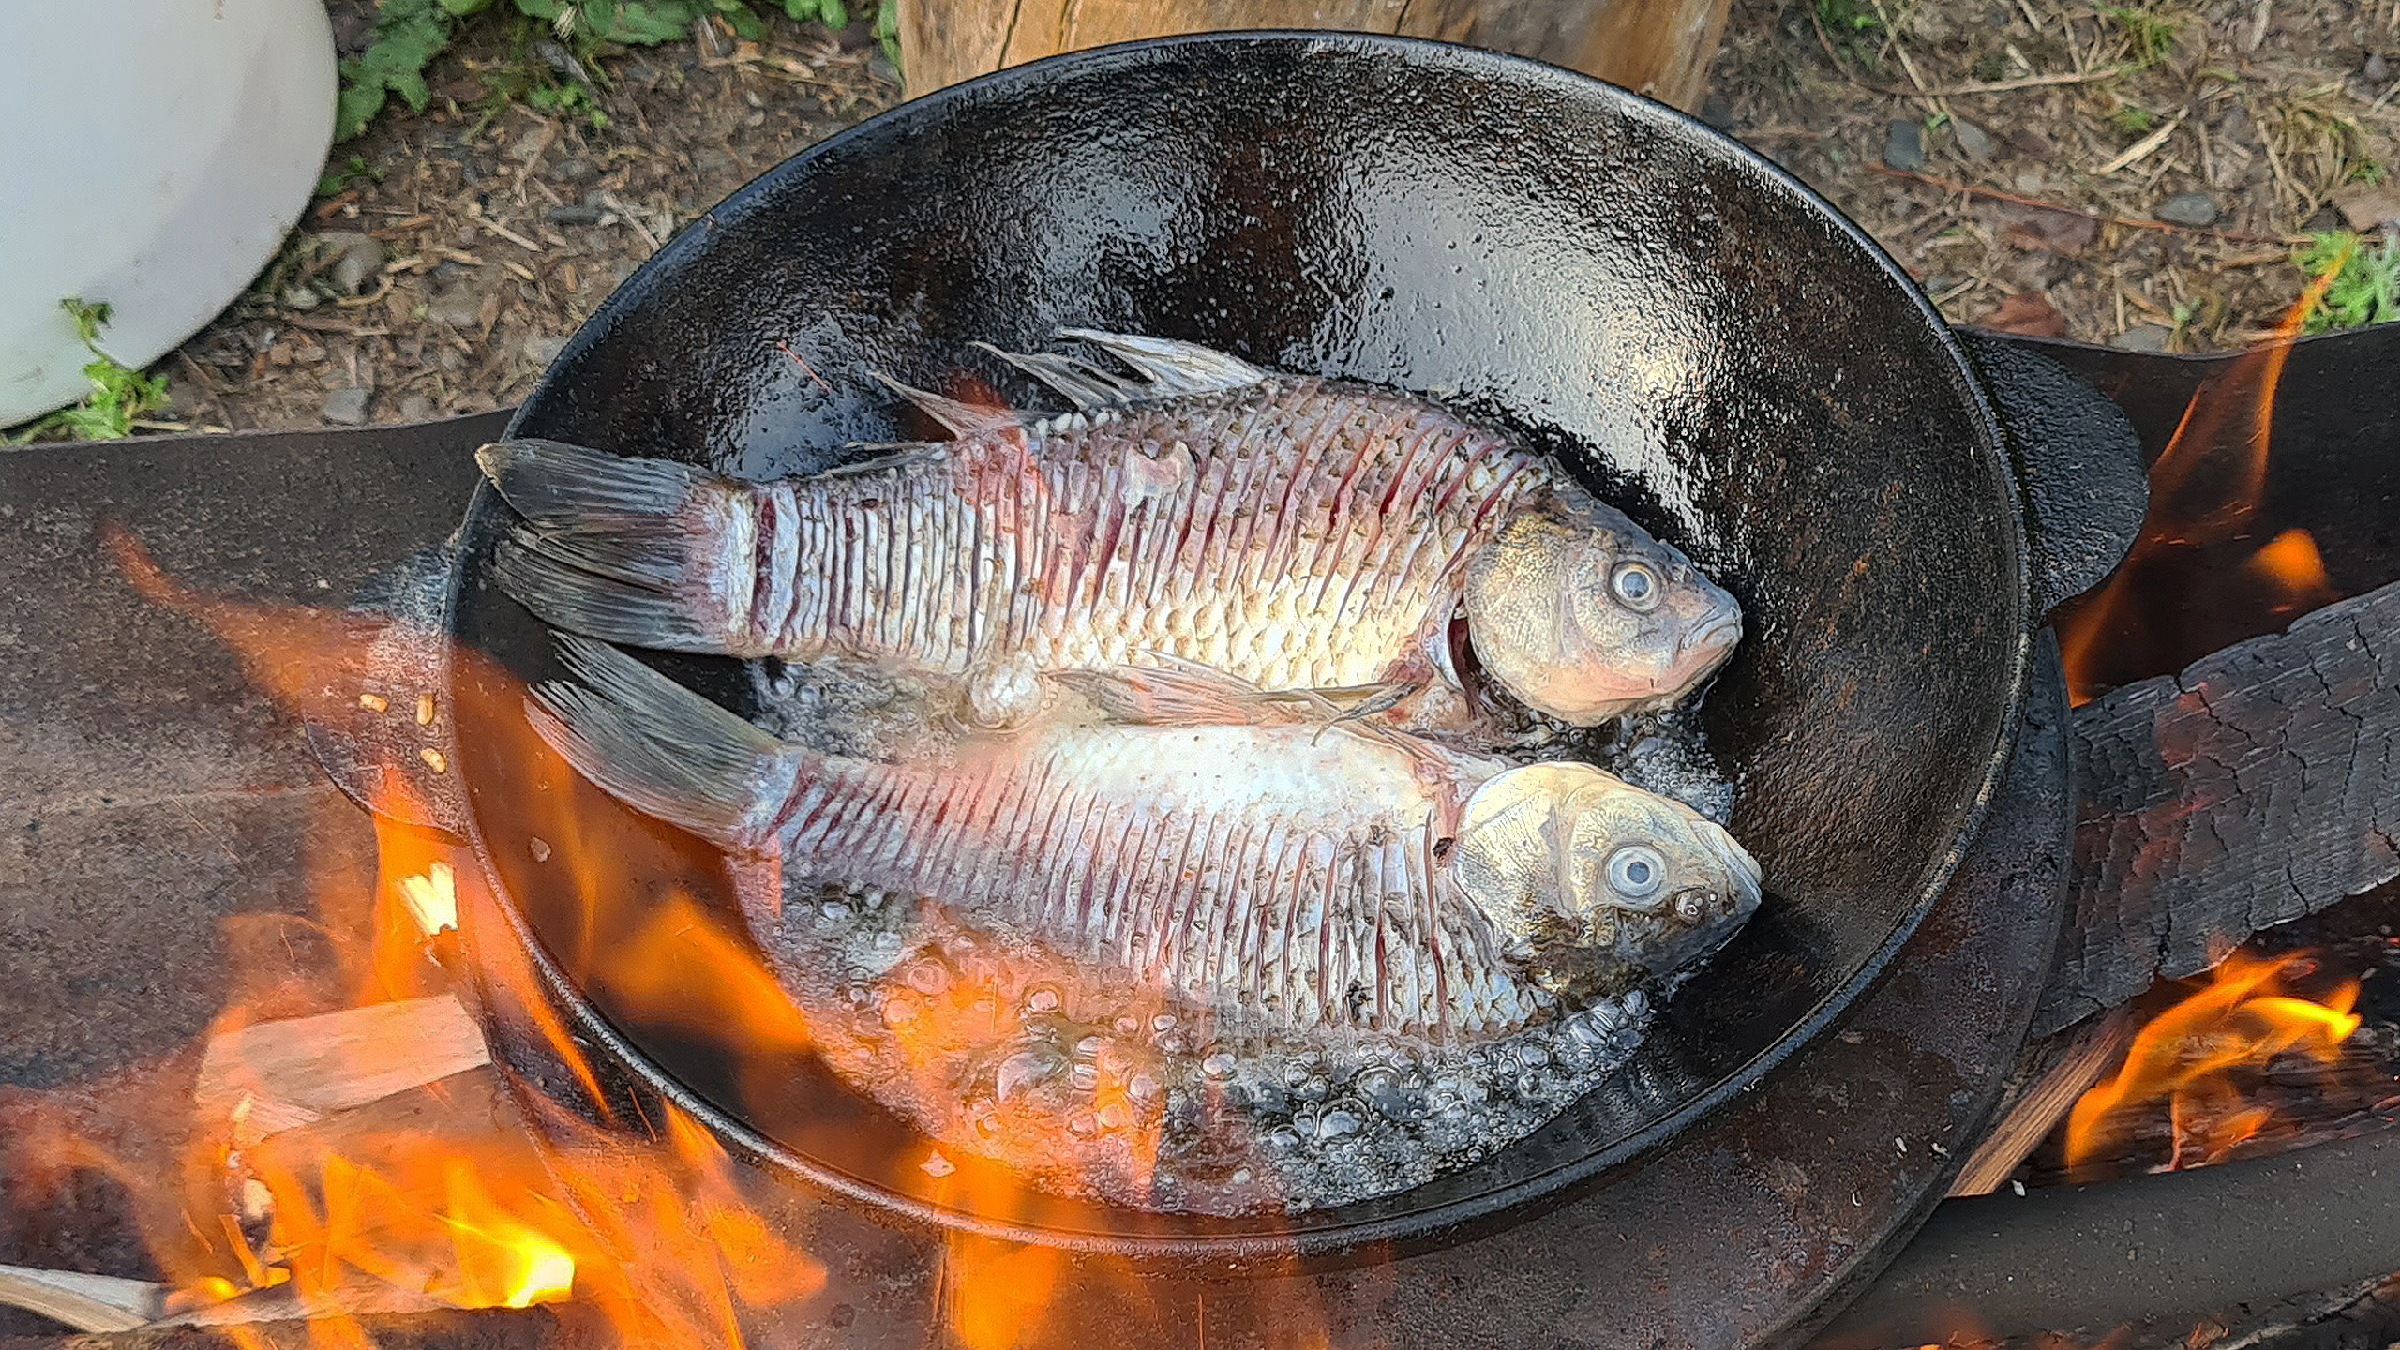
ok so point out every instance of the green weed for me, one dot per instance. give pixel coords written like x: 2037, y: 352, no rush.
x: 2133, y: 119
x: 410, y: 33
x: 1851, y: 25
x: 2149, y: 36
x: 119, y: 397
x: 356, y: 170
x: 2359, y: 285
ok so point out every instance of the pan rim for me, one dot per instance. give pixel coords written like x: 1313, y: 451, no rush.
x: 1299, y: 1237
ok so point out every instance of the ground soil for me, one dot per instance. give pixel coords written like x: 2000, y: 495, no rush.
x: 2017, y: 156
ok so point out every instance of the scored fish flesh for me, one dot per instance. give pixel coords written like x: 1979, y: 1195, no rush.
x: 1289, y: 531
x: 1301, y: 877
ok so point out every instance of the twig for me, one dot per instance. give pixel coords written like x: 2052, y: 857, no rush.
x: 2266, y: 142
x: 1907, y: 66
x: 2142, y: 147
x: 2258, y: 25
x: 805, y: 368
x: 2103, y: 217
x: 2084, y: 1053
x: 2031, y: 82
x: 1825, y: 40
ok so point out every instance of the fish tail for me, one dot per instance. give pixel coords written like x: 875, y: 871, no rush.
x: 629, y: 550
x: 664, y: 750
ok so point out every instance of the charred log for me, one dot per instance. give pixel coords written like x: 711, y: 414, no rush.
x: 2254, y: 788
x: 489, y: 1329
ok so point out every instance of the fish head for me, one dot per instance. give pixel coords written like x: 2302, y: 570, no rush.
x: 1593, y: 884
x: 1580, y: 614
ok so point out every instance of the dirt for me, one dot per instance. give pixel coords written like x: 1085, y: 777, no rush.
x: 2027, y: 160
x: 2137, y: 175
x: 471, y: 238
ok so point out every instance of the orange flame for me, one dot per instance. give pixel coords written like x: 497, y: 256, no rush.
x: 2202, y: 497
x: 2190, y: 1054
x: 437, y: 1195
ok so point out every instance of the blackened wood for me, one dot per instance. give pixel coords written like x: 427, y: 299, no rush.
x: 491, y: 1329
x: 2260, y: 785
x: 2164, y: 1247
x: 2331, y: 467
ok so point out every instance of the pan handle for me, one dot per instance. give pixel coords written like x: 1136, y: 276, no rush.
x: 2086, y: 487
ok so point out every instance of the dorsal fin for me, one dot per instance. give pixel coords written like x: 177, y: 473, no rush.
x: 1085, y: 385
x: 1172, y: 368
x: 962, y: 418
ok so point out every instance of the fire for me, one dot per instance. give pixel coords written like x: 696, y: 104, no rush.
x: 2208, y: 492
x: 365, y: 1187
x: 2190, y: 1057
x: 2291, y: 560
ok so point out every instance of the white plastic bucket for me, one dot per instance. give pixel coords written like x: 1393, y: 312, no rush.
x: 152, y: 155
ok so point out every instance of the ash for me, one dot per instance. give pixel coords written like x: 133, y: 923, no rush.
x: 1096, y: 1086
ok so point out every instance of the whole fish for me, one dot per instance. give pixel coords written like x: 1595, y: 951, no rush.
x: 1288, y: 531
x: 1293, y: 877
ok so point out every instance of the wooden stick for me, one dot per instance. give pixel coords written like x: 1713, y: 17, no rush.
x: 2076, y: 1058
x: 84, y: 1302
x: 277, y: 1075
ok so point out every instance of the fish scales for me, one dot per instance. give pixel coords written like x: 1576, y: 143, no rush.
x: 1207, y: 542
x: 1282, y: 899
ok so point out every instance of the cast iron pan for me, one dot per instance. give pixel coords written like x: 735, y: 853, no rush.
x: 1705, y: 342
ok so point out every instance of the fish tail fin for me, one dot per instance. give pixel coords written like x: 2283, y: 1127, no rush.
x: 612, y: 547
x: 1172, y: 368
x: 664, y: 750
x: 552, y: 482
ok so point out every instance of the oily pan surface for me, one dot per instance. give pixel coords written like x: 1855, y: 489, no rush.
x: 1700, y: 340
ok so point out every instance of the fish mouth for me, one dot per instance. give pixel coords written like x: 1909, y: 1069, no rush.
x: 1720, y: 629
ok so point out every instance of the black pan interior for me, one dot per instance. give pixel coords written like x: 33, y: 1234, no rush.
x: 1704, y: 341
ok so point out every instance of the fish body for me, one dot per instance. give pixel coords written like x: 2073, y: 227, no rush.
x: 1283, y: 530
x: 1295, y: 878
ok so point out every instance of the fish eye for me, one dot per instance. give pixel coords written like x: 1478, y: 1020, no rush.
x: 1636, y: 585
x: 1635, y: 872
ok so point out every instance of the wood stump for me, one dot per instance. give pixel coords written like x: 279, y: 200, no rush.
x: 1658, y: 47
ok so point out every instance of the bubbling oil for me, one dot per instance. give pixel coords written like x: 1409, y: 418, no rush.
x: 1096, y: 1087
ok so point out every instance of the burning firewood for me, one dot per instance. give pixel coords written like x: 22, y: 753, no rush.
x: 2249, y: 790
x: 278, y: 1075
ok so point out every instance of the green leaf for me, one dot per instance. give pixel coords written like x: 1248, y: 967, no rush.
x: 460, y: 9
x: 887, y: 29
x: 832, y: 15
x: 408, y: 35
x: 745, y: 23
x: 119, y: 397
x: 641, y: 23
x: 411, y: 89
x: 355, y: 106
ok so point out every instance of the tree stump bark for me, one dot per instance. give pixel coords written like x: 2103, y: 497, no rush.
x: 1657, y: 47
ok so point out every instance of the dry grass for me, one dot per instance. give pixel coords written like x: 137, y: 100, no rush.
x: 2096, y: 117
